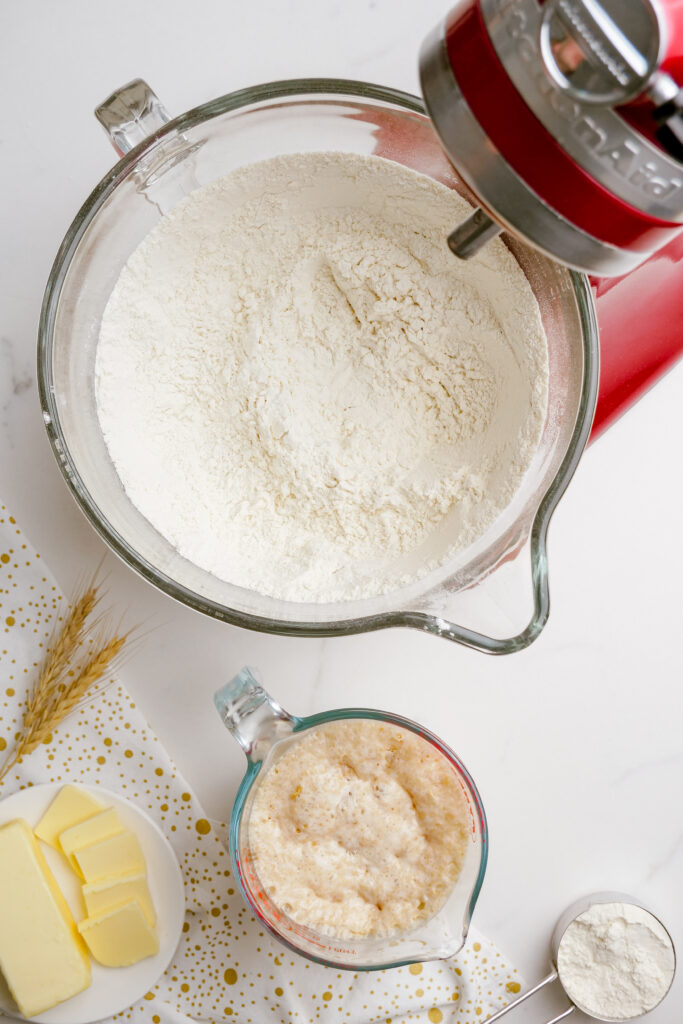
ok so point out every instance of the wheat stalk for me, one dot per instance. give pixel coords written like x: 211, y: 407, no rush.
x: 65, y: 644
x: 60, y: 689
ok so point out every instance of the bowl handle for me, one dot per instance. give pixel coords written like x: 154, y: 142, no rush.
x: 131, y: 114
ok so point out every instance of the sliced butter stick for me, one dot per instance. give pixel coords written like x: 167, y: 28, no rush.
x: 103, y: 825
x: 70, y: 807
x: 42, y: 956
x: 111, y: 858
x: 120, y: 937
x: 99, y: 897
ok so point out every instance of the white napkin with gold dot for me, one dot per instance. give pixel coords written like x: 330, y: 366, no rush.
x: 225, y: 967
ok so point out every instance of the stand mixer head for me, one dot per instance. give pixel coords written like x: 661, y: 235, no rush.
x: 565, y: 118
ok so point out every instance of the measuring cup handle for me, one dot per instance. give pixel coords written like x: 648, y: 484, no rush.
x: 561, y: 1016
x: 251, y: 715
x: 526, y: 995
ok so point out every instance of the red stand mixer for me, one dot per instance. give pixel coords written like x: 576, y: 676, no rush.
x: 565, y: 119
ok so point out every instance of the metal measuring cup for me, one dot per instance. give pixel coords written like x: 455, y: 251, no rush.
x: 568, y: 917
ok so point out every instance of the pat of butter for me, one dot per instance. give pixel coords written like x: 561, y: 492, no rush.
x: 112, y: 858
x: 120, y: 937
x: 42, y: 956
x: 70, y: 807
x: 99, y: 897
x: 94, y: 830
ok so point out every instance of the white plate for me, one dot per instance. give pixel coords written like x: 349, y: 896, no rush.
x: 113, y: 988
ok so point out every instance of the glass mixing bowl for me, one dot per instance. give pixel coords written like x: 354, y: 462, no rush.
x: 265, y: 731
x: 162, y: 161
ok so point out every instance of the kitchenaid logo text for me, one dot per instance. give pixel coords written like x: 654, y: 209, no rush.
x: 624, y: 156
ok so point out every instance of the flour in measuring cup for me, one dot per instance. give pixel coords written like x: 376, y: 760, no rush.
x: 616, y: 961
x: 302, y: 389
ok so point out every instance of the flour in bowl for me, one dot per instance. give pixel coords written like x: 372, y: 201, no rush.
x: 360, y: 829
x: 299, y: 386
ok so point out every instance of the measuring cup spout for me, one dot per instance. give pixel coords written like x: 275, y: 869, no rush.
x: 252, y: 716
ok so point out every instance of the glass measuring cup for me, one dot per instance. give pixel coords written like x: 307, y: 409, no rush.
x: 494, y: 594
x: 265, y: 731
x: 568, y: 917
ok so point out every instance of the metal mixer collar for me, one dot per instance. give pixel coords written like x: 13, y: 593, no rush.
x: 565, y: 118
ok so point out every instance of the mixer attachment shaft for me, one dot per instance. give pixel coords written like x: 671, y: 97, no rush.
x: 470, y: 236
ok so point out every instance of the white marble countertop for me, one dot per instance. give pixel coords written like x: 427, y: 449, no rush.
x: 576, y: 744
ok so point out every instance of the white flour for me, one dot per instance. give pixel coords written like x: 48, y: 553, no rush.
x: 302, y: 389
x: 616, y: 961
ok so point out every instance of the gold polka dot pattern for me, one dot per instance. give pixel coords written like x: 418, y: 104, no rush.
x: 225, y: 968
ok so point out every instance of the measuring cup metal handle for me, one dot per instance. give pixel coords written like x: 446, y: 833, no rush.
x: 561, y: 1016
x: 251, y: 715
x: 526, y: 995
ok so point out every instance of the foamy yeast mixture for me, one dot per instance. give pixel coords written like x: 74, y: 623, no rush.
x: 359, y: 830
x: 305, y: 392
